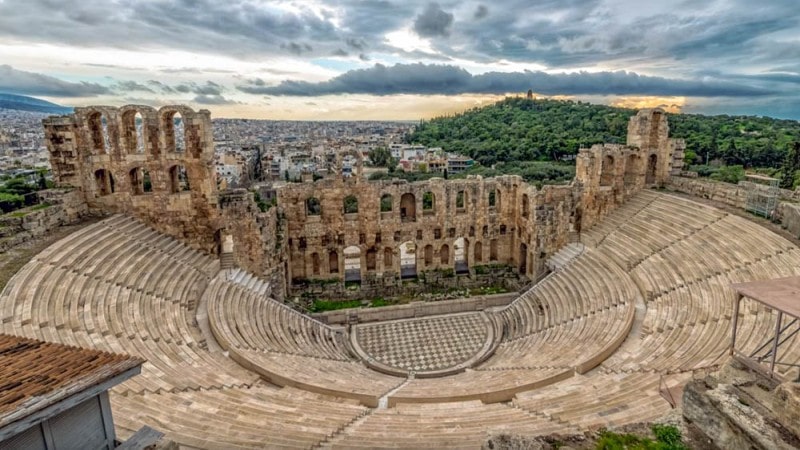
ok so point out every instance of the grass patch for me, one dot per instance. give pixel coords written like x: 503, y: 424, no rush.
x: 668, y: 437
x: 333, y: 305
x: 488, y: 290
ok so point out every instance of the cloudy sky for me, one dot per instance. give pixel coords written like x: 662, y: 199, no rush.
x: 403, y: 59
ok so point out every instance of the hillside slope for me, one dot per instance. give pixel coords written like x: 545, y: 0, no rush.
x: 518, y: 129
x: 25, y: 103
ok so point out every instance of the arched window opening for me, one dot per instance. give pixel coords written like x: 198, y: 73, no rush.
x: 315, y: 263
x: 178, y: 179
x: 98, y: 128
x: 502, y: 229
x: 138, y: 122
x: 493, y: 250
x: 140, y: 181
x: 333, y: 262
x: 444, y: 254
x: 104, y: 182
x: 351, y: 204
x: 478, y: 252
x: 607, y: 171
x: 371, y: 257
x: 352, y: 263
x: 523, y: 258
x: 386, y: 203
x: 428, y: 255
x: 388, y: 258
x: 461, y: 200
x: 428, y: 202
x: 313, y: 207
x: 652, y: 168
x: 180, y: 133
x: 408, y: 208
x: 492, y: 198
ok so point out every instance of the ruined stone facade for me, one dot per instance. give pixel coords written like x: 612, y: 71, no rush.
x: 144, y: 162
x: 141, y: 161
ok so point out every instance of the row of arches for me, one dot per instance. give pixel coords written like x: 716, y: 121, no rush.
x: 140, y: 181
x: 136, y: 136
x: 405, y: 259
x: 408, y: 204
x: 632, y: 169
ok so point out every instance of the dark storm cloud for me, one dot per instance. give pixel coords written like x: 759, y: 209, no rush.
x: 15, y: 81
x: 481, y: 12
x: 212, y: 99
x: 131, y: 86
x: 209, y: 88
x: 444, y: 79
x: 433, y: 21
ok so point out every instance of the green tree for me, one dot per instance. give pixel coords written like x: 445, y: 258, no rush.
x: 381, y: 157
x: 791, y: 164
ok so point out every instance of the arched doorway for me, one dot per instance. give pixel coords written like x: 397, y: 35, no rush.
x: 408, y: 208
x: 408, y: 259
x: 352, y: 263
x: 461, y: 255
x: 523, y: 259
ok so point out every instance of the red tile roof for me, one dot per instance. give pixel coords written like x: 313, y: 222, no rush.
x: 36, y: 374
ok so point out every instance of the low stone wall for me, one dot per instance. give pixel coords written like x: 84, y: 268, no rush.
x: 65, y: 207
x: 718, y: 191
x: 416, y: 309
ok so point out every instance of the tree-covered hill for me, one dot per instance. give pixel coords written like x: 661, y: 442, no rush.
x: 519, y: 129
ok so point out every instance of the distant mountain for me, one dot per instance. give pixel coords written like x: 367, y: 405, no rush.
x: 24, y: 103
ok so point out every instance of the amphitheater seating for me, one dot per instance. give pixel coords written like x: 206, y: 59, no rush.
x: 448, y: 425
x: 119, y: 286
x: 284, y: 346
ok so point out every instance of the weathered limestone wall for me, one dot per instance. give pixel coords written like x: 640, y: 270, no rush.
x: 258, y: 240
x: 154, y: 174
x: 66, y: 207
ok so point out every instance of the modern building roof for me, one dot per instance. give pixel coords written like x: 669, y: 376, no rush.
x: 35, y: 375
x: 782, y: 294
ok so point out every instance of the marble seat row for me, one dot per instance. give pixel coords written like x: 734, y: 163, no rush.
x: 461, y: 425
x: 601, y: 400
x: 241, y: 316
x: 237, y: 418
x: 594, y: 235
x: 591, y: 282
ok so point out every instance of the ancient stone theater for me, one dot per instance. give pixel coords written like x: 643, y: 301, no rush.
x: 622, y: 292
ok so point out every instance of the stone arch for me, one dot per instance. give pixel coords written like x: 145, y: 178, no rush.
x: 178, y: 179
x: 315, y: 263
x: 478, y: 252
x: 428, y: 255
x: 631, y: 169
x: 388, y: 258
x: 408, y: 207
x: 98, y: 132
x: 371, y: 258
x: 652, y: 169
x: 313, y: 206
x: 140, y: 181
x: 174, y: 134
x: 428, y: 202
x: 333, y: 262
x: 408, y: 259
x: 104, y: 182
x: 444, y: 254
x: 352, y: 263
x: 461, y: 255
x: 387, y: 203
x: 461, y: 200
x: 607, y: 171
x: 350, y: 204
x: 133, y: 130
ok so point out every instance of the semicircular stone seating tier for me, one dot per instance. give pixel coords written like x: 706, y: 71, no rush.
x: 287, y: 381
